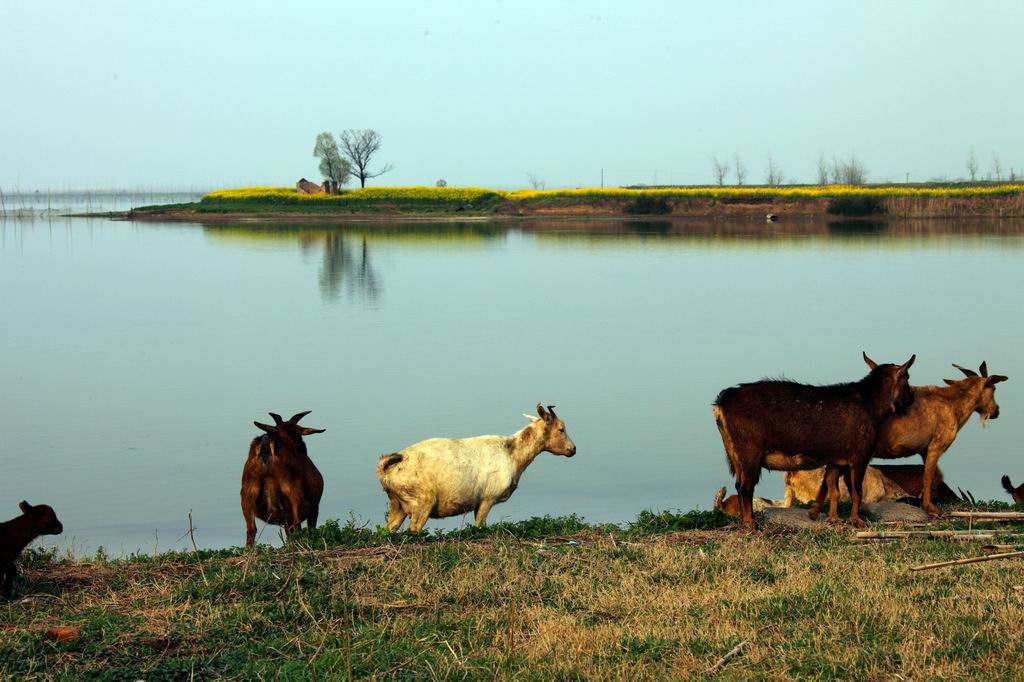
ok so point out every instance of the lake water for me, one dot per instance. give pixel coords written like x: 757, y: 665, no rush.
x: 135, y: 356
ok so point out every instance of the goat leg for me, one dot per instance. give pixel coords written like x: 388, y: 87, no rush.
x: 296, y: 505
x: 480, y: 516
x: 396, y: 515
x: 855, y: 483
x: 745, y: 492
x: 830, y: 483
x: 931, y: 463
x: 819, y: 500
x: 7, y: 586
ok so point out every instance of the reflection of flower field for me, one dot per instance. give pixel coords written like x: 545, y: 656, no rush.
x: 476, y: 195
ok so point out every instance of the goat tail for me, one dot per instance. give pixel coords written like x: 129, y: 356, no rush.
x: 1007, y: 486
x: 386, y: 462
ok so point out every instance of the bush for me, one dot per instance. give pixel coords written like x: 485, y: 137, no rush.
x: 649, y: 205
x: 856, y: 205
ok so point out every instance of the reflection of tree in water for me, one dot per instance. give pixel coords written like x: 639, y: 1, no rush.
x: 341, y: 265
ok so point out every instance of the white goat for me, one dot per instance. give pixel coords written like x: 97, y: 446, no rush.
x: 447, y: 476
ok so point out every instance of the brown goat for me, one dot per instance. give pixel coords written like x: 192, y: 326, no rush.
x: 280, y: 484
x: 16, y: 534
x: 1016, y: 493
x: 731, y: 505
x: 787, y: 426
x: 932, y: 422
x: 882, y: 482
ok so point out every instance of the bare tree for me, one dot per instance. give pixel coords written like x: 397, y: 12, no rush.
x: 997, y: 167
x: 822, y: 169
x: 332, y: 166
x: 772, y: 173
x: 536, y: 181
x: 972, y: 164
x: 740, y: 168
x: 359, y: 146
x: 852, y: 172
x: 837, y: 170
x: 720, y: 169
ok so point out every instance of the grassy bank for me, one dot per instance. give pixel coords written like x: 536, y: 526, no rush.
x: 943, y: 200
x: 664, y: 597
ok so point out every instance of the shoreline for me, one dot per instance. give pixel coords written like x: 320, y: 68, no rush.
x: 681, y: 209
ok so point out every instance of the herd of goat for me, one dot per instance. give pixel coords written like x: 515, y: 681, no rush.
x: 823, y: 437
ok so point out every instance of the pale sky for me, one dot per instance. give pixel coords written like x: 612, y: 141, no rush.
x: 144, y: 94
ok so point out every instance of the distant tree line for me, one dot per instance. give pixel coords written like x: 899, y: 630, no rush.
x: 998, y: 173
x: 848, y: 171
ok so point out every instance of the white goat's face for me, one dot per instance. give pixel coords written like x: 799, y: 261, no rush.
x: 556, y: 439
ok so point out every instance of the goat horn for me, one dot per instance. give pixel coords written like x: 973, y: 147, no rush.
x: 295, y: 420
x: 276, y: 417
x: 983, y: 369
x: 551, y: 410
x: 967, y: 372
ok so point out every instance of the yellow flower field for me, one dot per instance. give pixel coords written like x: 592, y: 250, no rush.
x: 368, y: 194
x: 470, y: 195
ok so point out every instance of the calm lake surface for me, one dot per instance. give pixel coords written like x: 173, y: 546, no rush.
x: 135, y: 356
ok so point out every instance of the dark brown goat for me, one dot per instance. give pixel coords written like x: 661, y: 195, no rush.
x: 16, y: 534
x: 1016, y: 493
x: 932, y: 423
x: 786, y: 426
x: 280, y: 484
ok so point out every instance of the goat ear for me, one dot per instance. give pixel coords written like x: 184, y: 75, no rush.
x: 983, y: 369
x: 530, y: 417
x: 295, y: 419
x: 995, y: 379
x: 25, y: 507
x: 265, y: 427
x: 276, y: 417
x: 909, y: 363
x: 307, y: 431
x: 967, y: 372
x: 871, y: 363
x: 951, y: 382
x: 541, y: 412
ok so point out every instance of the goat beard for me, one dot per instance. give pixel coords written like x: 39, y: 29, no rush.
x: 984, y: 420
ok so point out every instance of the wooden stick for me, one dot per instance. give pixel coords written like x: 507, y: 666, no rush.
x: 986, y: 515
x: 736, y: 651
x: 950, y: 538
x: 902, y: 534
x: 972, y: 560
x: 998, y: 548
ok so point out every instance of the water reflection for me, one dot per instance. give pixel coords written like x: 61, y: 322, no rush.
x: 340, y: 266
x: 347, y: 260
